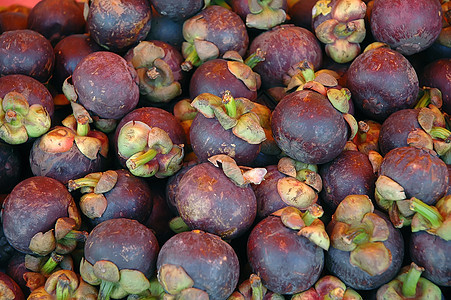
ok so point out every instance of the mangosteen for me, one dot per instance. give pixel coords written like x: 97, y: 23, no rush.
x: 262, y: 15
x: 166, y: 30
x: 436, y: 74
x: 9, y: 288
x: 12, y: 20
x: 11, y: 167
x: 329, y: 286
x: 176, y: 10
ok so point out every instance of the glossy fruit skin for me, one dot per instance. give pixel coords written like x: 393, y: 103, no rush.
x: 208, y: 200
x: 286, y: 262
x: 391, y: 23
x: 209, y: 261
x: 12, y: 20
x: 432, y: 253
x: 268, y: 198
x: 350, y: 173
x: 285, y: 46
x: 178, y: 10
x: 396, y: 128
x: 69, y: 51
x: 209, y: 138
x: 301, y: 13
x: 437, y: 74
x: 56, y: 19
x: 33, y: 206
x: 10, y: 167
x: 214, y: 77
x: 166, y: 30
x: 422, y: 174
x: 26, y: 52
x: 120, y: 26
x: 126, y: 243
x: 308, y: 128
x: 8, y: 282
x: 106, y: 85
x: 381, y: 82
x: 337, y: 262
x: 160, y: 217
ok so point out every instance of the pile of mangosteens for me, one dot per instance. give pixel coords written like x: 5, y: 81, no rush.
x: 225, y: 149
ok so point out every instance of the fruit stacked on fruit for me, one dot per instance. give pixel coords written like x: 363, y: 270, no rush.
x: 225, y: 149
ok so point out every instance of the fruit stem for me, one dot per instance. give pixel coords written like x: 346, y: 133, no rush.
x: 362, y: 133
x: 441, y: 133
x: 177, y: 225
x: 425, y: 99
x: 143, y: 158
x: 356, y: 236
x: 229, y: 103
x: 153, y: 73
x: 51, y: 263
x: 75, y: 235
x: 255, y: 58
x: 81, y: 182
x: 63, y: 288
x: 256, y: 286
x: 106, y: 287
x: 426, y: 211
x: 191, y: 60
x: 409, y: 285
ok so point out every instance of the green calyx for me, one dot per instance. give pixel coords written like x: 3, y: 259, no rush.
x: 265, y: 14
x: 435, y: 220
x: 19, y: 121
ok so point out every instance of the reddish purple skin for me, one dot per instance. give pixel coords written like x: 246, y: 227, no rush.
x: 30, y: 88
x: 16, y: 268
x: 209, y: 138
x: 8, y: 282
x: 208, y: 200
x: 12, y: 20
x: 68, y: 53
x: 215, y: 78
x: 406, y: 26
x: 26, y: 52
x: 301, y: 13
x: 178, y: 10
x: 126, y: 243
x: 422, y: 175
x: 286, y: 262
x: 381, y: 82
x: 11, y: 167
x: 268, y: 198
x: 63, y: 166
x: 172, y: 185
x: 448, y: 192
x: 225, y: 29
x: 438, y: 74
x: 308, y: 128
x: 285, y: 46
x: 56, y: 19
x: 159, y: 218
x: 396, y: 128
x: 120, y: 26
x: 350, y: 173
x: 33, y: 206
x: 242, y: 7
x: 106, y: 85
x: 432, y: 253
x: 209, y: 261
x: 338, y: 264
x: 131, y: 198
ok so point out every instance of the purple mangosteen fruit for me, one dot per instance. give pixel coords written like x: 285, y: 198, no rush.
x: 9, y: 289
x: 437, y: 74
x: 176, y: 10
x: 262, y: 15
x: 12, y: 20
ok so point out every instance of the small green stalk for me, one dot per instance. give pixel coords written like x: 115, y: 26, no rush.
x: 256, y: 286
x: 51, y: 263
x: 308, y: 218
x: 343, y: 30
x: 82, y: 182
x: 255, y: 58
x: 192, y: 60
x: 441, y: 133
x: 230, y: 104
x: 356, y: 236
x: 177, y: 225
x: 307, y: 71
x: 425, y: 100
x: 433, y: 216
x: 409, y: 285
x: 76, y: 235
x: 106, y: 287
x: 143, y: 158
x: 82, y: 129
x: 63, y: 289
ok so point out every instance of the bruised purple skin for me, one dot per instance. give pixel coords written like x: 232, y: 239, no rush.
x: 62, y: 166
x: 308, y: 128
x: 350, y: 173
x: 268, y: 198
x: 392, y: 23
x: 178, y: 10
x: 437, y: 74
x: 208, y: 200
x: 422, y: 175
x: 120, y: 25
x: 337, y: 262
x: 56, y: 19
x: 106, y: 85
x: 214, y: 77
x: 432, y: 253
x: 68, y: 53
x: 26, y: 52
x: 286, y: 262
x: 381, y: 82
x: 8, y: 282
x: 209, y: 261
x: 33, y: 206
x: 10, y: 167
x: 131, y: 198
x: 396, y: 128
x: 34, y: 91
x: 285, y: 46
x: 126, y: 243
x: 209, y: 138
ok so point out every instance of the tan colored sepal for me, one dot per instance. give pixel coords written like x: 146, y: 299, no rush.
x: 441, y: 147
x: 389, y: 189
x: 290, y: 167
x: 174, y: 279
x: 314, y: 86
x: 244, y: 73
x: 63, y: 226
x: 133, y: 281
x: 80, y: 113
x: 296, y: 193
x: 322, y: 7
x: 291, y: 217
x: 70, y: 122
x: 69, y: 90
x: 326, y: 284
x: 132, y: 138
x: 311, y: 178
x: 204, y: 104
x: 43, y: 243
x: 328, y: 78
x: 194, y: 28
x: 170, y: 163
x: 267, y: 18
x: 93, y: 205
x: 420, y: 139
x: 232, y: 55
x: 85, y: 291
x: 34, y: 263
x: 89, y: 146
x: 206, y: 50
x: 316, y: 233
x: 193, y: 294
x: 35, y: 282
x: 347, y: 10
x: 37, y: 121
x: 106, y: 270
x: 338, y: 234
x: 145, y: 53
x: 69, y: 277
x: 241, y: 176
x: 373, y: 258
x: 375, y: 160
x: 426, y: 119
x: 353, y: 208
x: 248, y: 128
x: 339, y: 99
x: 353, y: 125
x: 36, y: 294
x: 87, y: 273
x: 106, y: 182
x: 377, y: 227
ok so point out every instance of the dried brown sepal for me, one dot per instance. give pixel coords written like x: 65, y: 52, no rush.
x: 426, y: 119
x: 316, y: 233
x: 296, y: 193
x: 106, y: 182
x: 174, y: 279
x: 373, y: 258
x: 43, y: 243
x: 291, y: 217
x: 420, y: 139
x: 70, y: 278
x: 248, y: 128
x: 389, y: 189
x: 244, y: 73
x: 106, y: 270
x: 33, y: 280
x: 353, y: 208
x: 376, y: 226
x: 89, y: 146
x: 353, y: 125
x: 375, y: 160
x: 87, y: 272
x: 63, y: 226
x: 93, y: 205
x: 339, y: 98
